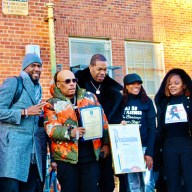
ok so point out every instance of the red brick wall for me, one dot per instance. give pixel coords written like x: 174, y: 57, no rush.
x: 165, y: 21
x: 115, y: 20
x: 18, y: 31
x: 172, y: 22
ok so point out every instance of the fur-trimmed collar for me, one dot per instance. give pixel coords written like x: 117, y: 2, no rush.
x: 84, y: 76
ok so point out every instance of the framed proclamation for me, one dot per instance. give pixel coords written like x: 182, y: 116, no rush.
x: 126, y: 147
x: 92, y: 121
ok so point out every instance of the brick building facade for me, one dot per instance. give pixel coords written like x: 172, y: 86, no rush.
x: 127, y: 25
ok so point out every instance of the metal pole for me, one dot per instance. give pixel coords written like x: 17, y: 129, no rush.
x: 51, y: 37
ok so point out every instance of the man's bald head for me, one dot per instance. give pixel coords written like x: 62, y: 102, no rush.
x: 65, y: 74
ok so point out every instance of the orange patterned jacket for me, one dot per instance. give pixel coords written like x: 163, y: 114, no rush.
x: 59, y: 115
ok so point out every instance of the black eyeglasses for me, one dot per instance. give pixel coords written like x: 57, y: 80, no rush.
x: 67, y: 81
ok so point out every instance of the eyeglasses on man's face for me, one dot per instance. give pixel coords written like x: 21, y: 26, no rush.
x: 67, y: 81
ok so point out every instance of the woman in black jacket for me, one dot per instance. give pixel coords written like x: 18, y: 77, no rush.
x: 174, y: 113
x: 137, y: 108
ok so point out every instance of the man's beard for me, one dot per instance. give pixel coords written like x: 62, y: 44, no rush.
x: 35, y: 81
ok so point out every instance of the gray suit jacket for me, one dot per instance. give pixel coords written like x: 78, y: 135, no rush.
x: 17, y: 134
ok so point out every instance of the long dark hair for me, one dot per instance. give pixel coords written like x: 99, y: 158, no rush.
x: 161, y: 94
x: 167, y: 92
x: 142, y: 95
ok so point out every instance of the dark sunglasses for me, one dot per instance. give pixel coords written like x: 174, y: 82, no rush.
x: 67, y: 81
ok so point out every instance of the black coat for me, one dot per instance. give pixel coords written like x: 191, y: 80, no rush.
x: 110, y: 97
x: 161, y: 101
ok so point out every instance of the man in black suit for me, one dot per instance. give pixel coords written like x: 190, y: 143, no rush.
x: 95, y: 79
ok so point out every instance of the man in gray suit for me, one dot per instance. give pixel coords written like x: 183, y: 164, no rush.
x: 20, y: 150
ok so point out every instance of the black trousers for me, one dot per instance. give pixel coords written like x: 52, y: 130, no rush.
x: 13, y: 185
x: 122, y: 183
x: 177, y: 157
x: 44, y: 139
x: 106, y: 183
x: 81, y: 177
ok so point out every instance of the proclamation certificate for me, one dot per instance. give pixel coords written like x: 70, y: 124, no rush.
x: 126, y: 147
x: 92, y: 121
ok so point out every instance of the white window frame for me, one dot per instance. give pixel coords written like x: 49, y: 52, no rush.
x: 158, y: 61
x: 91, y: 40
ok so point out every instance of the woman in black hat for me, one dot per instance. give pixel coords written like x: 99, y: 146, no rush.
x: 174, y: 114
x: 137, y: 108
